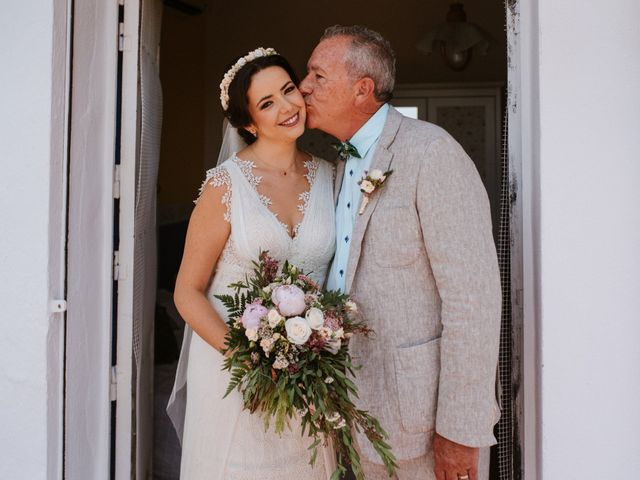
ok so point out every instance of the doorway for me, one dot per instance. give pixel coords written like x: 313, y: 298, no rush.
x: 196, y: 45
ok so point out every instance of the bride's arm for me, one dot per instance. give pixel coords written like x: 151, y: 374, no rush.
x: 206, y: 237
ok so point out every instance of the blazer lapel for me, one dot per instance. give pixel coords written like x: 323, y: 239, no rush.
x: 381, y: 160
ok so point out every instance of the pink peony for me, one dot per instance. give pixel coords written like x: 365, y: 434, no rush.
x: 252, y: 315
x: 289, y: 299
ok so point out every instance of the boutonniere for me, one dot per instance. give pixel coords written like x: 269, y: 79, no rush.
x: 370, y: 182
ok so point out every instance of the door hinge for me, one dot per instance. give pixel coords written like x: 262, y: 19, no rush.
x: 113, y: 383
x: 121, y: 36
x: 116, y: 265
x: 58, y: 306
x: 116, y: 182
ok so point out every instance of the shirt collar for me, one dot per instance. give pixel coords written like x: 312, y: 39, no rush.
x: 364, y: 138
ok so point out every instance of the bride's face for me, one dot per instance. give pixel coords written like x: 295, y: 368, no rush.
x: 276, y: 105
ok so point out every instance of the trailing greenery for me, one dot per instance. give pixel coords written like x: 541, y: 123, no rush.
x: 286, y: 380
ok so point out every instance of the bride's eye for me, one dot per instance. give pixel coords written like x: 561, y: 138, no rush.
x: 290, y: 89
x: 265, y: 105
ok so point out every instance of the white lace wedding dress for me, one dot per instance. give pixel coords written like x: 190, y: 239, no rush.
x: 220, y: 440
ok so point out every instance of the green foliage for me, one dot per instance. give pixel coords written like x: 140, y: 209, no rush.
x: 317, y: 389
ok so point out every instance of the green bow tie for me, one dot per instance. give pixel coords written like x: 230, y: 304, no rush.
x: 346, y: 150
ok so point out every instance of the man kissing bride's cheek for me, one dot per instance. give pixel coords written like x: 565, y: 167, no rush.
x: 398, y: 226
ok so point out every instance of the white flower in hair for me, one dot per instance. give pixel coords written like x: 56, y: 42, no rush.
x: 233, y: 71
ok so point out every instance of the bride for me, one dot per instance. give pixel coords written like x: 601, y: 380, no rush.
x: 268, y: 196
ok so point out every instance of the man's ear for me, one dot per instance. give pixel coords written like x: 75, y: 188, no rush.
x: 365, y: 91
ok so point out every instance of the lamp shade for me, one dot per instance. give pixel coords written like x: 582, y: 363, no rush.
x: 456, y: 38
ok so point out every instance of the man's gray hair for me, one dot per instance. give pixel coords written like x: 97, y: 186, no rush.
x: 369, y: 55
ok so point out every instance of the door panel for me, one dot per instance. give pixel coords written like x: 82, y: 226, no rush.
x: 141, y: 120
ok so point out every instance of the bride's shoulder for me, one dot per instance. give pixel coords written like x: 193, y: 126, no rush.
x: 218, y: 176
x: 216, y: 179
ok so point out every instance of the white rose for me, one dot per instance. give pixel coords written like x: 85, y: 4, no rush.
x: 315, y: 317
x: 351, y: 306
x: 339, y: 333
x: 274, y: 318
x: 367, y: 186
x: 375, y: 174
x: 252, y: 334
x: 298, y: 330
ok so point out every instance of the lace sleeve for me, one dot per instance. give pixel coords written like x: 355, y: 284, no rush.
x: 219, y: 177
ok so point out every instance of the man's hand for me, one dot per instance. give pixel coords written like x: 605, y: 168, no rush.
x: 453, y: 461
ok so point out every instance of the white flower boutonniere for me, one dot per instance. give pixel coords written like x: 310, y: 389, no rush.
x: 370, y: 182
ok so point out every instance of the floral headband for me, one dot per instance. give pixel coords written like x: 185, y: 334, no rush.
x: 233, y: 71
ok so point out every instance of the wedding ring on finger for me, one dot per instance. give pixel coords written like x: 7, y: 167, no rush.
x: 463, y: 477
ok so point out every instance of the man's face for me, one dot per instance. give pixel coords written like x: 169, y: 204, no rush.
x: 328, y: 89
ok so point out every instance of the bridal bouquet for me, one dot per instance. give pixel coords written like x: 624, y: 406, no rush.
x: 287, y: 352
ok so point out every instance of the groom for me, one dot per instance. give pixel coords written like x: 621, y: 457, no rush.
x: 418, y: 259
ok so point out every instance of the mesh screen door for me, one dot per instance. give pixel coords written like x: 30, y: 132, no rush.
x: 140, y: 147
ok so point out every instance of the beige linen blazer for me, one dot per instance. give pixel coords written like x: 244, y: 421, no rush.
x: 423, y: 270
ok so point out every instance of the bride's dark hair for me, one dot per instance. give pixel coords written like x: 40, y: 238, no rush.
x: 238, y: 111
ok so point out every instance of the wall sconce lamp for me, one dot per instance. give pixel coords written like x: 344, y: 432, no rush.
x: 456, y: 39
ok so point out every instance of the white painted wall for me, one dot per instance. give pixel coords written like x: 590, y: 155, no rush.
x: 31, y: 243
x: 588, y: 202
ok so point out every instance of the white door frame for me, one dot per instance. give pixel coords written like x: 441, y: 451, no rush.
x: 92, y: 153
x: 129, y: 131
x: 524, y: 133
x: 90, y: 240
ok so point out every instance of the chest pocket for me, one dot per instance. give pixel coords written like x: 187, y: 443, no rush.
x: 393, y: 236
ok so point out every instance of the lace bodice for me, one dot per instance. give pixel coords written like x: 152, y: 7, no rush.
x: 255, y: 227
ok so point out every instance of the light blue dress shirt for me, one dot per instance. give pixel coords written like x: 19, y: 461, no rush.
x: 365, y: 140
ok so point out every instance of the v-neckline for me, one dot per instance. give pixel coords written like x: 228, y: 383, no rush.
x: 246, y: 169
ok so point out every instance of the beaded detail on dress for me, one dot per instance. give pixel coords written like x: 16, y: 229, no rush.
x: 247, y: 166
x: 217, y: 177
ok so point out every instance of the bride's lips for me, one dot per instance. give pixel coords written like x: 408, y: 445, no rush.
x: 291, y: 121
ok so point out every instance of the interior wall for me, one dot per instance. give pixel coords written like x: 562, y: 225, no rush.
x: 182, y: 51
x: 225, y: 32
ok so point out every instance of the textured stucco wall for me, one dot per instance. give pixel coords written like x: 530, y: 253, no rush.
x: 31, y: 242
x: 589, y: 239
